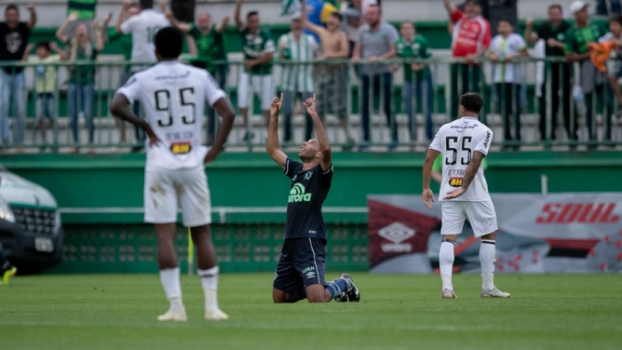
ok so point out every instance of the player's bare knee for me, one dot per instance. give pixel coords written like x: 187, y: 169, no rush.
x: 450, y: 238
x: 491, y: 236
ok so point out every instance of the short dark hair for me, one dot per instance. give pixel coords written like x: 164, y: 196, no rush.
x: 146, y: 4
x: 11, y: 7
x: 506, y: 21
x: 472, y: 102
x: 375, y: 5
x: 45, y: 45
x: 616, y: 18
x: 252, y: 13
x: 474, y: 2
x: 169, y: 42
x: 337, y: 15
x: 556, y: 6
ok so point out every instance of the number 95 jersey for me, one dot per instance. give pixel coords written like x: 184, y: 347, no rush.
x: 172, y: 96
x: 457, y: 141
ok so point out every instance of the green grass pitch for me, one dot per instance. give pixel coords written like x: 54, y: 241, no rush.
x: 396, y: 312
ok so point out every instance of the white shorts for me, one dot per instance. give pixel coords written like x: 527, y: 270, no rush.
x: 262, y: 86
x: 481, y: 215
x: 165, y: 190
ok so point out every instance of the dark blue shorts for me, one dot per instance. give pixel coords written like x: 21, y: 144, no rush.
x: 302, y: 264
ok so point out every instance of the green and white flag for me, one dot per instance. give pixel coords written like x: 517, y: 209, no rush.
x: 290, y: 7
x: 84, y: 8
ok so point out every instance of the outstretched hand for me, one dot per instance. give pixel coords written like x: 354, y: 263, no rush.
x: 428, y: 198
x: 310, y: 105
x: 275, y: 105
x: 455, y: 193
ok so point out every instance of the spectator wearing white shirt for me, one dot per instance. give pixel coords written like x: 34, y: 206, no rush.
x: 504, y: 48
x: 143, y: 28
x: 297, y: 79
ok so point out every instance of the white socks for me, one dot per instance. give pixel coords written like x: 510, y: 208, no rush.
x: 172, y: 287
x: 446, y: 262
x: 487, y: 252
x: 209, y: 281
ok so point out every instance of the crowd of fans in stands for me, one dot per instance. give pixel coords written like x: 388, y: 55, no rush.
x: 356, y: 34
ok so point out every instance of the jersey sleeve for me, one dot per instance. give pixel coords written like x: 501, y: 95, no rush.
x: 456, y: 16
x: 541, y: 32
x: 127, y: 25
x: 392, y: 34
x: 569, y: 46
x: 487, y: 35
x: 269, y: 46
x: 483, y: 142
x: 326, y: 176
x: 292, y: 167
x: 213, y: 93
x: 424, y: 50
x: 131, y: 89
x: 436, y: 142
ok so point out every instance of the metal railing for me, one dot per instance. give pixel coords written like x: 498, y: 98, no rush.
x: 531, y: 104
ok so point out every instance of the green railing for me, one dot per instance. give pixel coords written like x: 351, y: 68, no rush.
x: 557, y: 118
x: 240, y: 248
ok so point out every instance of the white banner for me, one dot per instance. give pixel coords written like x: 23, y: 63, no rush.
x: 570, y: 232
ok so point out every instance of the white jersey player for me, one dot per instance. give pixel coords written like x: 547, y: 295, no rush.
x: 143, y: 28
x: 463, y: 144
x: 173, y: 96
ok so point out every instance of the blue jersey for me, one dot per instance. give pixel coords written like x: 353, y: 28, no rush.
x: 317, y: 13
x: 308, y: 191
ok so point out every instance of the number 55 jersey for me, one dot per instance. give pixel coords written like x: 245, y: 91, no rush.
x: 457, y: 141
x: 172, y: 96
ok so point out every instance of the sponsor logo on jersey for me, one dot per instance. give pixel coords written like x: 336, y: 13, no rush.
x: 297, y: 194
x: 181, y: 147
x: 455, y: 181
x: 567, y: 213
x: 487, y: 139
x: 396, y: 233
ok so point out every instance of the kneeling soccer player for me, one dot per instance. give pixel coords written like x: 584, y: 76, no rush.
x: 173, y: 96
x: 300, y: 272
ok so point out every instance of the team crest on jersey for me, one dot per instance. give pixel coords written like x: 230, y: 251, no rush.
x: 308, y: 175
x: 455, y: 181
x: 181, y: 147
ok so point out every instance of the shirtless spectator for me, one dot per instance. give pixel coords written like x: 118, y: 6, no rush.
x: 333, y: 78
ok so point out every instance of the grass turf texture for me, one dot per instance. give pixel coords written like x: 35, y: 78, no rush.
x: 396, y: 312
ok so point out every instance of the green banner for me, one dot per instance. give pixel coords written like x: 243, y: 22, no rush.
x: 84, y: 8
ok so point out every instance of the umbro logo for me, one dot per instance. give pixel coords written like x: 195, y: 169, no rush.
x: 396, y: 232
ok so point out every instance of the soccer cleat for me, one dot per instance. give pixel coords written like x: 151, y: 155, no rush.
x: 449, y: 294
x: 7, y: 274
x: 494, y: 293
x: 215, y: 315
x: 174, y: 315
x: 351, y: 294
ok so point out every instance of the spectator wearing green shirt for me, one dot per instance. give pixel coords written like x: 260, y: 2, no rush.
x: 437, y: 168
x: 115, y: 34
x: 258, y: 48
x: 81, y: 88
x: 206, y: 42
x: 578, y: 39
x: 417, y: 77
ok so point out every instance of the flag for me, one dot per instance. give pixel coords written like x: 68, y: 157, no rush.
x: 84, y: 8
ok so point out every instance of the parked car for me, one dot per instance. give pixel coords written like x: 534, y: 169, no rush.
x: 30, y: 227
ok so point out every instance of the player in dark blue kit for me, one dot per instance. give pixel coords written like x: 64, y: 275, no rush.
x: 300, y: 272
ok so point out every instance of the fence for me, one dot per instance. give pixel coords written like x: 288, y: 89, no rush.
x: 365, y: 104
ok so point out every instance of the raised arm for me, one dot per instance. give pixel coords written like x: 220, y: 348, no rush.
x: 449, y: 6
x: 99, y: 36
x: 305, y: 22
x: 60, y: 32
x: 273, y: 147
x: 104, y: 27
x: 322, y: 138
x: 529, y: 36
x: 33, y: 16
x: 29, y: 48
x: 192, y: 45
x: 124, y: 8
x: 469, y: 175
x: 223, y: 25
x: 225, y: 111
x: 237, y: 16
x: 184, y: 27
x: 426, y: 195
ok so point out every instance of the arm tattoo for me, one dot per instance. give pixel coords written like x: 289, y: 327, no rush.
x: 470, y: 172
